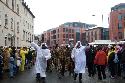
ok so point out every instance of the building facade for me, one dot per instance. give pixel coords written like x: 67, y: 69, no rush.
x: 98, y: 33
x: 16, y: 23
x: 64, y: 34
x: 117, y: 22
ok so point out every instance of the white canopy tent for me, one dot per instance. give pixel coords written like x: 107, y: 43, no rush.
x: 102, y: 42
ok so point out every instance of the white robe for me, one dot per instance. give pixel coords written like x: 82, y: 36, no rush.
x: 79, y: 57
x: 41, y: 60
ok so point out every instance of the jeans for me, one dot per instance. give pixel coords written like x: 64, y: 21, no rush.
x: 11, y: 69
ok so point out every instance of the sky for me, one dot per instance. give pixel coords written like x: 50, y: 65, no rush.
x: 52, y: 13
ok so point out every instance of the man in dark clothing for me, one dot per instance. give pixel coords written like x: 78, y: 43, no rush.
x: 29, y: 58
x: 119, y: 54
x: 90, y: 54
x: 123, y: 59
x: 112, y: 63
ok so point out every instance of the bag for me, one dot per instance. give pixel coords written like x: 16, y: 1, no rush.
x: 116, y: 58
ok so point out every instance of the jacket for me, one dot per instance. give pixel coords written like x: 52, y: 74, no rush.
x: 100, y: 58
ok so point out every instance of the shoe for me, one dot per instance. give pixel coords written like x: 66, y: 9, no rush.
x: 89, y: 75
x: 112, y: 77
x: 74, y: 78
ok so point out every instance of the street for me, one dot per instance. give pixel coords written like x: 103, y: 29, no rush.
x: 29, y: 77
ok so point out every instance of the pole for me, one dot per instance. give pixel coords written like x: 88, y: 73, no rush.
x: 102, y: 20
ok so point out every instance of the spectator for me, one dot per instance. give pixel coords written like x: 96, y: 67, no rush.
x: 101, y: 62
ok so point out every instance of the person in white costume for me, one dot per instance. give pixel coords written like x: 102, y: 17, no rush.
x: 43, y: 54
x: 79, y: 58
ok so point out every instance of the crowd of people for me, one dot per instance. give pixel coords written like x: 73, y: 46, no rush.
x: 14, y: 60
x: 96, y: 59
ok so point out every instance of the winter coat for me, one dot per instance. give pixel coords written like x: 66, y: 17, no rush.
x: 100, y: 58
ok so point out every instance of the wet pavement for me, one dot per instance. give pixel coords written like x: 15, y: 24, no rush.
x: 29, y: 77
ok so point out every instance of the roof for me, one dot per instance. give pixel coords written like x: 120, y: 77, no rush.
x: 119, y: 6
x: 26, y: 6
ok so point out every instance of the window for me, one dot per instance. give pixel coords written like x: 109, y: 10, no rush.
x: 6, y: 20
x: 66, y: 29
x: 17, y: 9
x: 69, y: 35
x: 54, y: 31
x: 11, y: 23
x: 58, y: 30
x: 63, y: 29
x: 92, y: 39
x: 17, y: 42
x: 32, y: 38
x: 54, y: 36
x: 120, y: 35
x: 72, y: 35
x: 23, y: 35
x: 28, y: 25
x: 58, y: 35
x: 91, y: 33
x: 119, y: 25
x: 13, y: 4
x: 95, y: 35
x: 72, y: 30
x: 64, y: 36
x: 69, y: 30
x: 119, y: 17
x: 32, y: 28
x: 17, y: 27
x: 6, y: 2
x: 26, y: 37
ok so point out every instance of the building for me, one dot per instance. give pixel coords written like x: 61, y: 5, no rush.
x: 78, y: 24
x: 37, y: 39
x: 97, y: 33
x: 16, y: 23
x: 117, y: 22
x: 67, y: 33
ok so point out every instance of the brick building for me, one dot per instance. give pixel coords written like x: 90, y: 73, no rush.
x: 69, y: 32
x: 98, y: 33
x: 117, y: 22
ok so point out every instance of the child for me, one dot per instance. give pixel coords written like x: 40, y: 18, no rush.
x: 18, y: 63
x: 11, y: 67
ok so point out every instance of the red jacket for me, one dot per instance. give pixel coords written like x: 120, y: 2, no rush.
x: 100, y: 58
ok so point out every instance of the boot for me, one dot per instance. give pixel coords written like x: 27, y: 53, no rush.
x: 38, y: 76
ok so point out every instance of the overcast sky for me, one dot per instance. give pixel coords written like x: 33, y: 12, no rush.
x: 52, y: 13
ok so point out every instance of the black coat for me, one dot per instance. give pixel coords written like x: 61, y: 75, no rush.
x: 90, y: 55
x: 123, y: 56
